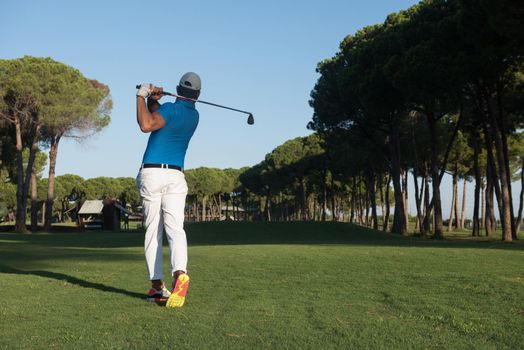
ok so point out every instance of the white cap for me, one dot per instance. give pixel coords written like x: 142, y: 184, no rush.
x: 191, y: 81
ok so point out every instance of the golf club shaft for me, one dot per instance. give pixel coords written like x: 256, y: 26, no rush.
x: 205, y: 102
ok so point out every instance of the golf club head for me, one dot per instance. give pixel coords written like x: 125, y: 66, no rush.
x: 250, y: 119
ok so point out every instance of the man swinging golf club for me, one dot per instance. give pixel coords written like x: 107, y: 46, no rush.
x: 162, y: 184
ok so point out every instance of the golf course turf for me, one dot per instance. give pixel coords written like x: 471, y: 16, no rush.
x: 264, y: 285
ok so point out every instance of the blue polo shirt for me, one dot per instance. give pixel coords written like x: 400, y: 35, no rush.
x: 169, y: 144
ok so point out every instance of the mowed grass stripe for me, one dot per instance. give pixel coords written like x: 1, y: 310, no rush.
x: 273, y: 291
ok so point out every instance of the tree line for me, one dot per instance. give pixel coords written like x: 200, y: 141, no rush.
x: 435, y: 89
x: 298, y: 180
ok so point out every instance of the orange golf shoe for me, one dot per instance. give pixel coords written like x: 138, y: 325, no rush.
x: 178, y: 295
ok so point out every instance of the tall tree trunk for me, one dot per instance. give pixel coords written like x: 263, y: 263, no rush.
x: 476, y: 222
x: 457, y: 202
x: 204, y: 214
x: 492, y: 214
x: 353, y: 200
x: 399, y: 222
x: 333, y: 209
x: 34, y: 201
x: 463, y: 210
x: 228, y: 199
x: 268, y: 205
x: 482, y: 203
x: 220, y: 204
x: 506, y: 217
x: 243, y: 200
x: 518, y: 221
x: 24, y: 178
x: 418, y: 196
x: 426, y: 223
x: 42, y: 214
x: 382, y: 204
x: 373, y: 199
x: 405, y: 195
x: 437, y: 205
x: 303, y: 200
x: 497, y: 137
x: 503, y: 129
x: 197, y: 209
x: 488, y: 213
x: 360, y: 216
x: 495, y: 187
x: 324, y: 195
x: 385, y: 225
x: 366, y: 203
x: 453, y: 201
x: 418, y: 200
x: 219, y: 207
x: 234, y: 204
x: 427, y: 208
x: 212, y: 208
x: 21, y: 201
x: 29, y: 171
x: 53, y: 152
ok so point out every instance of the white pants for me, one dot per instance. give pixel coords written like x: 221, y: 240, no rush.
x: 163, y: 193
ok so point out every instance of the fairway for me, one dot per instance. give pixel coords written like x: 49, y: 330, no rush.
x: 264, y: 285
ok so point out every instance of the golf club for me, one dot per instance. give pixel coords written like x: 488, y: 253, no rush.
x: 250, y: 119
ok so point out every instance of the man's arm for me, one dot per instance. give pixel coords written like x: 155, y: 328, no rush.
x: 146, y: 115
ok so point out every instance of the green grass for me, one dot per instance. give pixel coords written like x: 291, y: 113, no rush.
x: 264, y: 285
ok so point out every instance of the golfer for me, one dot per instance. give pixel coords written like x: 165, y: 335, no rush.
x: 162, y: 184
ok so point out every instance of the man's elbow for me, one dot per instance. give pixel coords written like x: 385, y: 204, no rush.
x: 145, y: 126
x: 150, y: 124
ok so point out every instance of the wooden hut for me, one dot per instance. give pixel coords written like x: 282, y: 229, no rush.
x: 101, y: 214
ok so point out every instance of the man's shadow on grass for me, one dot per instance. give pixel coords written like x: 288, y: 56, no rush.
x: 72, y: 280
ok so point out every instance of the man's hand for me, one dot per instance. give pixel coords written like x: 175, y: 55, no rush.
x: 156, y: 93
x: 145, y: 90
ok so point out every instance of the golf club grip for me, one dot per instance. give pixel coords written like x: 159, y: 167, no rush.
x: 140, y: 85
x: 163, y: 92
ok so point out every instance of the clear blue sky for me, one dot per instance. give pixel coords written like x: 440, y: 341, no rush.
x: 258, y: 56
